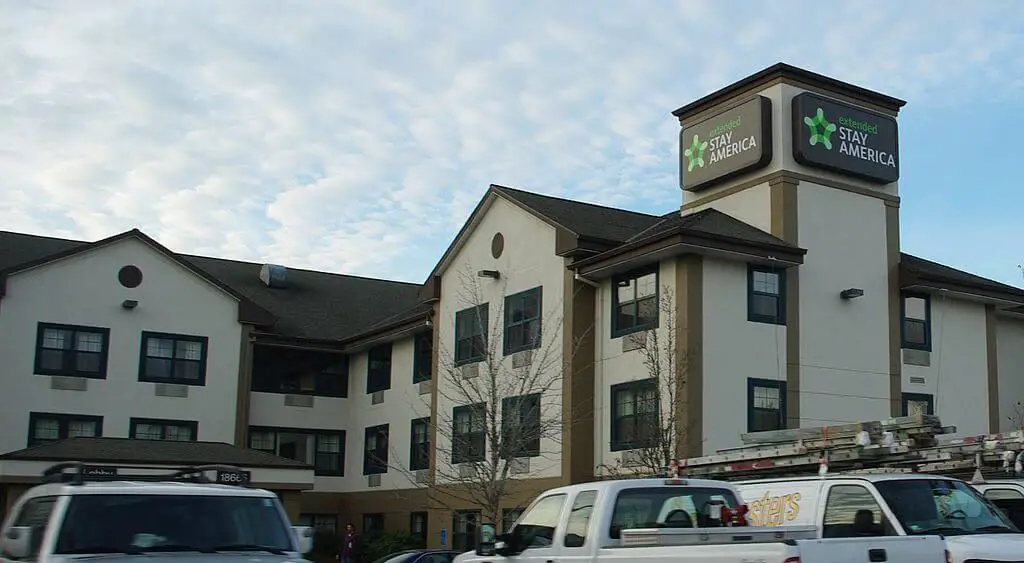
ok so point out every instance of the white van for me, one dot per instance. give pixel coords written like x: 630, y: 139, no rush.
x: 843, y: 506
x: 1001, y: 488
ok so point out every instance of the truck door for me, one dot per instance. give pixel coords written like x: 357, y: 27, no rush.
x: 852, y: 511
x: 577, y: 537
x: 535, y: 533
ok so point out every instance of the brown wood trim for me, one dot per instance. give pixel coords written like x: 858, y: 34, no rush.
x: 578, y: 349
x: 784, y: 224
x: 436, y: 378
x: 992, y: 352
x: 243, y: 403
x: 789, y: 175
x: 892, y: 244
x: 689, y: 350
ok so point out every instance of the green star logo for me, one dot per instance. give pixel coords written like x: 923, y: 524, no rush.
x: 821, y: 129
x: 695, y: 154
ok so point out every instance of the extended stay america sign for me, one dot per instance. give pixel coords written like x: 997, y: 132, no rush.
x: 842, y: 138
x: 728, y: 143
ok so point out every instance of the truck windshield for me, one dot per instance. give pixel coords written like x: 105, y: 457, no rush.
x: 939, y: 506
x: 152, y: 523
x: 667, y: 507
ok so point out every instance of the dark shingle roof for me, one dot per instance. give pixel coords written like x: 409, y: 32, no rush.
x: 928, y: 268
x: 124, y: 450
x: 587, y: 220
x: 712, y: 222
x: 315, y: 305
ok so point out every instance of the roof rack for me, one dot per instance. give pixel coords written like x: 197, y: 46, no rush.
x: 77, y: 473
x: 908, y: 444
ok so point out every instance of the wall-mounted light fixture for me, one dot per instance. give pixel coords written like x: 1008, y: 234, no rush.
x: 851, y: 293
x: 489, y: 274
x: 129, y: 304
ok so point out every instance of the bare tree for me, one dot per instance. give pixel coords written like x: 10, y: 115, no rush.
x: 1016, y: 418
x: 658, y: 423
x: 500, y: 408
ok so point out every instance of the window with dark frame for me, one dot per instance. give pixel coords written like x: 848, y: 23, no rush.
x: 918, y: 403
x: 166, y: 430
x: 468, y: 433
x: 464, y: 529
x: 635, y: 419
x: 520, y: 426
x: 509, y: 517
x: 51, y: 427
x: 375, y: 450
x: 766, y: 405
x: 323, y: 449
x: 419, y: 444
x: 418, y: 524
x: 378, y: 371
x: 916, y: 324
x: 635, y: 301
x: 72, y: 351
x: 523, y: 321
x: 422, y: 364
x: 766, y: 294
x: 471, y: 334
x: 173, y: 358
x: 579, y: 519
x: 299, y: 372
x: 373, y: 525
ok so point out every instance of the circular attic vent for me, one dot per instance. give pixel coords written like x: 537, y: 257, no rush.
x: 497, y: 245
x: 130, y: 276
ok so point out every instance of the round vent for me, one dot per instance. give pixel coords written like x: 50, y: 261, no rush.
x: 130, y: 276
x: 497, y: 245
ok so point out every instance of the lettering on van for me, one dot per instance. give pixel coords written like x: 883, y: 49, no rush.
x: 774, y: 510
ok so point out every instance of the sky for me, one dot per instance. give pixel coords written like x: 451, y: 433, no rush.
x: 357, y: 136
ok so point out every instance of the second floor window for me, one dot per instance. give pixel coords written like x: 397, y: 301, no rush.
x: 766, y: 295
x: 520, y: 426
x: 75, y: 351
x: 378, y: 372
x: 173, y: 358
x: 323, y: 449
x: 299, y: 372
x: 375, y: 452
x: 468, y: 436
x: 635, y: 420
x: 471, y: 334
x: 419, y: 449
x: 522, y: 321
x: 51, y: 427
x: 766, y: 404
x: 169, y: 430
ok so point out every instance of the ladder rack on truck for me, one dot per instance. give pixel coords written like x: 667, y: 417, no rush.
x: 908, y: 444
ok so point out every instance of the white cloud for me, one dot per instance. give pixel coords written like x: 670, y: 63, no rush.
x: 356, y: 136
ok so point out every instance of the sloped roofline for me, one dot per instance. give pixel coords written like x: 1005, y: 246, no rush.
x: 248, y: 311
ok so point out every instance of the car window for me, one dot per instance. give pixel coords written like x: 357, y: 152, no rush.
x: 35, y: 514
x: 579, y: 519
x: 1002, y: 493
x: 852, y: 511
x: 537, y: 526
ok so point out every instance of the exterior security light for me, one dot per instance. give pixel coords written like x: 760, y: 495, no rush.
x: 489, y: 274
x: 129, y: 304
x: 851, y: 293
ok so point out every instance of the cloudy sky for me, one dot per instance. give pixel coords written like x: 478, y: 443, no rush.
x: 356, y: 136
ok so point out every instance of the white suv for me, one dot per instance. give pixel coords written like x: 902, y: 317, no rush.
x: 183, y: 515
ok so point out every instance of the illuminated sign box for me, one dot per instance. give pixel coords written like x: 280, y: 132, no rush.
x: 843, y: 138
x: 726, y: 144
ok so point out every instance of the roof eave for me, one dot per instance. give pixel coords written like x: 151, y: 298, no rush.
x: 911, y: 278
x: 681, y: 242
x: 796, y: 74
x: 398, y: 330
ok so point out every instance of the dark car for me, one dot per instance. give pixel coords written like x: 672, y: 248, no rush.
x: 420, y: 556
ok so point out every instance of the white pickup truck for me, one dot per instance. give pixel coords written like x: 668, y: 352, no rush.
x: 673, y: 520
x: 181, y: 518
x: 888, y: 505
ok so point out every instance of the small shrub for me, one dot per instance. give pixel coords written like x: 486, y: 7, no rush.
x: 384, y: 544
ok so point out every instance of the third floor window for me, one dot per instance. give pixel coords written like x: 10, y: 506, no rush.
x: 173, y: 358
x: 76, y: 351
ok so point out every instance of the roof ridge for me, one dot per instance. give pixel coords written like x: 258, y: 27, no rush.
x: 499, y: 187
x: 336, y: 274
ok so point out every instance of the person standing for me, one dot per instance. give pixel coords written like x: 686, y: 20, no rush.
x: 349, y: 552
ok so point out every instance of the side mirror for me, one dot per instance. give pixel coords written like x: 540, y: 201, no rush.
x: 304, y: 537
x: 488, y: 543
x: 17, y: 542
